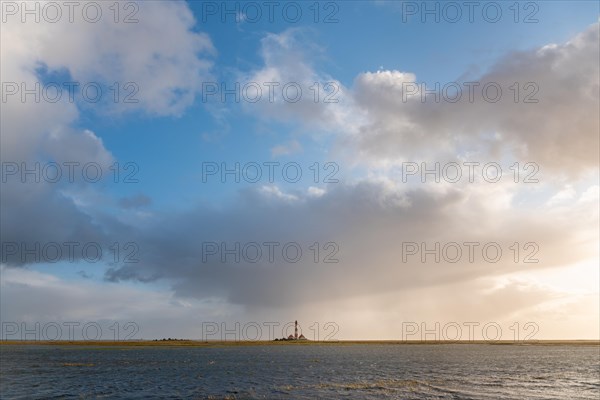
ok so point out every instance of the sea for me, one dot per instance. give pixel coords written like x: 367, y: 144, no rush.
x: 322, y: 371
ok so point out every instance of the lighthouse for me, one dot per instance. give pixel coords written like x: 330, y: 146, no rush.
x: 295, y: 336
x: 296, y: 330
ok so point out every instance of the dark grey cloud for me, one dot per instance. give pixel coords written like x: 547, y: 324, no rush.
x: 368, y: 221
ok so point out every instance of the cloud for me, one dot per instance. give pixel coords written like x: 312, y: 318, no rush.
x: 167, y: 66
x: 559, y: 131
x: 30, y: 297
x: 300, y: 92
x: 386, y: 116
x: 369, y: 222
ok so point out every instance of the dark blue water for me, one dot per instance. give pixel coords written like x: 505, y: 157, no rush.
x: 302, y: 372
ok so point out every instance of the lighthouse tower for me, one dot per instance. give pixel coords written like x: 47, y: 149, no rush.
x: 296, y: 330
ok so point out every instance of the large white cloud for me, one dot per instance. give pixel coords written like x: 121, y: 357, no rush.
x: 301, y: 93
x: 168, y: 65
x: 383, y: 116
x: 559, y: 131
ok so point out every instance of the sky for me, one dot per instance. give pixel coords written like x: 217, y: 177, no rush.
x: 372, y: 169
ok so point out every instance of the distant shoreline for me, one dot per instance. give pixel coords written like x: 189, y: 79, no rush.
x: 216, y: 343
